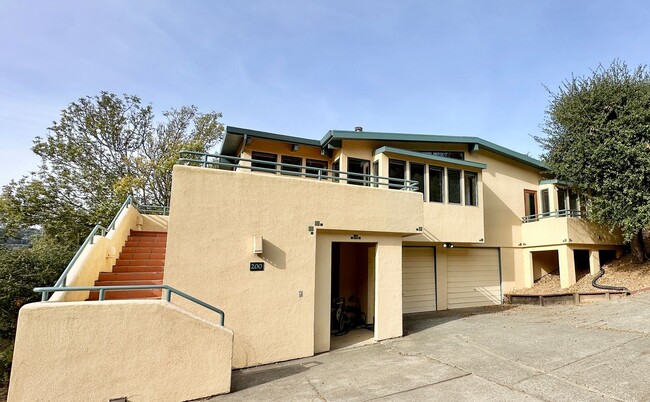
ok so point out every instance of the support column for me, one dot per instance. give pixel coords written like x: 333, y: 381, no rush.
x: 528, y: 269
x: 567, y: 267
x: 388, y: 290
x: 594, y: 262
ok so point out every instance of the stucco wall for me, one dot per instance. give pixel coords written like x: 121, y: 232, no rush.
x: 94, y: 351
x: 99, y: 256
x: 154, y: 223
x: 214, y: 217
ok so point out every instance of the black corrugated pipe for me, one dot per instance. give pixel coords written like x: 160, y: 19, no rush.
x: 607, y: 287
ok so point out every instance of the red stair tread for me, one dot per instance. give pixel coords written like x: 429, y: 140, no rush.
x: 140, y: 262
x: 126, y: 294
x: 129, y: 282
x: 130, y: 276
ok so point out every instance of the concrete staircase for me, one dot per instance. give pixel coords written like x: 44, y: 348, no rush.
x: 141, y: 262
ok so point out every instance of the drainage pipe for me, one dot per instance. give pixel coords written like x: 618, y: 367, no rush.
x: 607, y: 287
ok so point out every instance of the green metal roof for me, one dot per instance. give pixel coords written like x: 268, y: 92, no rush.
x: 235, y: 136
x: 334, y: 135
x: 435, y: 158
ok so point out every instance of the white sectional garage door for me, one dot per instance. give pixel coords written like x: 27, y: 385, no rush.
x: 473, y: 277
x: 418, y: 279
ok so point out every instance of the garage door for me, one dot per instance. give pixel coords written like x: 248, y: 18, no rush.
x: 418, y: 279
x: 473, y: 277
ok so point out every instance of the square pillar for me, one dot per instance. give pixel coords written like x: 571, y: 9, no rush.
x: 594, y: 262
x: 528, y: 269
x: 567, y: 267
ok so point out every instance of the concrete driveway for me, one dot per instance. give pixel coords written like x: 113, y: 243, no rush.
x: 599, y: 351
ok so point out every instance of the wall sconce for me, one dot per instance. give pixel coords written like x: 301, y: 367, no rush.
x: 258, y: 242
x: 248, y: 140
x: 447, y: 245
x: 294, y: 147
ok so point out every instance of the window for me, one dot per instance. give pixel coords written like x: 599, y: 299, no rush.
x: 453, y: 186
x: 561, y: 200
x: 336, y: 165
x: 359, y: 166
x: 417, y: 174
x: 316, y: 164
x: 436, y: 184
x: 471, y: 188
x: 573, y: 200
x: 396, y: 170
x: 546, y: 207
x: 264, y: 161
x: 530, y: 204
x: 291, y: 160
x: 446, y: 154
x: 375, y: 172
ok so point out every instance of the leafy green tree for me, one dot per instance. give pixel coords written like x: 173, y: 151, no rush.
x: 597, y: 137
x: 102, y: 149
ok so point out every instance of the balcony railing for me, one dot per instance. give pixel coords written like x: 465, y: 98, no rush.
x: 553, y: 214
x: 205, y: 160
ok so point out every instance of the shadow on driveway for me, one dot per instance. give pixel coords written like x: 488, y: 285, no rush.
x: 416, y: 322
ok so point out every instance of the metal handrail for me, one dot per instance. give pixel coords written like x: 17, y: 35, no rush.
x: 560, y: 213
x: 99, y: 230
x: 89, y: 240
x: 45, y: 292
x: 298, y: 170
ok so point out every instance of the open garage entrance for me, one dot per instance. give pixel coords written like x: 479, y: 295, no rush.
x: 545, y: 263
x: 352, y: 294
x: 581, y: 263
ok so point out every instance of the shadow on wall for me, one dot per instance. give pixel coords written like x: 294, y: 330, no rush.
x: 248, y: 378
x: 499, y: 218
x: 274, y: 255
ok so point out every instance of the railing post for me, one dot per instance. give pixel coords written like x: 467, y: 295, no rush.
x: 320, y: 174
x: 168, y: 295
x: 205, y: 160
x: 101, y: 294
x: 44, y: 296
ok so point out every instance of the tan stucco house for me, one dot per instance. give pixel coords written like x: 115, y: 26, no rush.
x: 274, y: 227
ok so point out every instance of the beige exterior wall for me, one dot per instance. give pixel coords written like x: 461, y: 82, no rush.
x: 94, y: 351
x: 154, y: 223
x: 555, y: 231
x: 102, y: 254
x: 215, y: 215
x: 99, y: 256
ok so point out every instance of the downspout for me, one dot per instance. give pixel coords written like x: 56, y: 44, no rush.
x: 607, y: 287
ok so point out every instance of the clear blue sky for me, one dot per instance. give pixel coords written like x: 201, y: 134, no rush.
x: 473, y: 68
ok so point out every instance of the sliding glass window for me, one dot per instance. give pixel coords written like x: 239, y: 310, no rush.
x: 291, y: 160
x: 263, y: 160
x: 471, y: 188
x: 362, y: 168
x: 417, y: 174
x: 453, y: 185
x: 396, y: 170
x: 436, y: 184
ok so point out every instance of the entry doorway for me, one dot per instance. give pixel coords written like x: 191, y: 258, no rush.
x: 352, y: 294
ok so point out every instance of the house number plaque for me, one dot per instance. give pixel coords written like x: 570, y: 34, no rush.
x: 257, y: 266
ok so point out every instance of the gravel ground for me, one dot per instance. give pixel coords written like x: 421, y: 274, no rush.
x: 621, y: 272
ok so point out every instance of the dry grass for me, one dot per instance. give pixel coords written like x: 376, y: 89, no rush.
x: 620, y: 272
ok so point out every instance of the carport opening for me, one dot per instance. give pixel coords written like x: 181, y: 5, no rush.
x: 581, y: 263
x: 353, y: 294
x: 545, y: 263
x: 606, y: 256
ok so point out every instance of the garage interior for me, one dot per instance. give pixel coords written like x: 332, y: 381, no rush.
x: 544, y: 263
x: 352, y: 294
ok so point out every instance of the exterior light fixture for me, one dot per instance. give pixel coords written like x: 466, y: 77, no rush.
x: 447, y: 245
x: 294, y: 147
x: 258, y: 242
